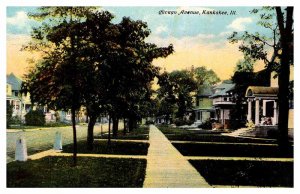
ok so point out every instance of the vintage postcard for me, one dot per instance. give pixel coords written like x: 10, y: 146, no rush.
x: 109, y: 96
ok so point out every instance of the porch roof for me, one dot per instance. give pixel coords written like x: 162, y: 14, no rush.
x: 261, y: 91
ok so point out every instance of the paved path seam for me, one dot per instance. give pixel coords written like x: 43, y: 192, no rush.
x: 239, y: 158
x: 124, y: 140
x: 222, y: 143
x: 166, y: 167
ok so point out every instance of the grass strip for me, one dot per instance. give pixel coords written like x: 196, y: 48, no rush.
x: 90, y: 172
x: 246, y: 173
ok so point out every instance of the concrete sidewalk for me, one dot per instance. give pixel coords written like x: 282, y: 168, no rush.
x: 166, y: 167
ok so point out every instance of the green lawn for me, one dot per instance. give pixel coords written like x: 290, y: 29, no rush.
x: 47, y: 125
x: 246, y: 173
x: 90, y: 172
x: 101, y: 147
x: 206, y: 136
x: 238, y: 150
x: 141, y: 133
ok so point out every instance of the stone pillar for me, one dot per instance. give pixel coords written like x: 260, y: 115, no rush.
x: 58, y: 141
x: 256, y: 112
x: 21, y: 150
x: 275, y: 114
x: 249, y: 116
x: 264, y: 107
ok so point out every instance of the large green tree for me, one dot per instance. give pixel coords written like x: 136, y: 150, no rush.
x: 56, y: 81
x: 258, y: 46
x: 131, y: 70
x: 179, y: 87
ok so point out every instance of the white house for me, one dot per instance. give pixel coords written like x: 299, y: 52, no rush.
x: 263, y: 106
x: 22, y: 104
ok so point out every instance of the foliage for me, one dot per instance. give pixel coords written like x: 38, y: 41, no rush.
x: 250, y: 124
x: 35, y: 118
x: 204, y: 76
x: 50, y: 81
x: 206, y: 124
x: 178, y: 88
x: 9, y: 112
x: 180, y: 122
x: 280, y: 41
x: 245, y: 65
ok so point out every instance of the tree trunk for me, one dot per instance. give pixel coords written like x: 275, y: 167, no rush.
x: 74, y: 137
x: 109, y: 119
x: 286, y: 39
x: 125, y: 128
x: 130, y: 124
x: 86, y: 119
x: 90, y: 136
x: 115, y: 126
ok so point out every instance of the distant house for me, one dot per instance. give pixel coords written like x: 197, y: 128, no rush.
x: 22, y: 104
x: 222, y: 102
x: 203, y: 105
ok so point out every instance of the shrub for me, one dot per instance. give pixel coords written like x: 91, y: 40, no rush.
x: 15, y: 120
x: 149, y: 122
x: 180, y: 121
x: 250, y: 124
x: 206, y: 125
x: 35, y: 118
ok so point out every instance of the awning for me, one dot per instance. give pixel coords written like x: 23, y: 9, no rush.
x: 261, y: 91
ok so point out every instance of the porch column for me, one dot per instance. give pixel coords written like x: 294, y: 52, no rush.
x: 249, y: 116
x: 256, y: 112
x: 275, y: 114
x: 264, y: 107
x: 20, y: 109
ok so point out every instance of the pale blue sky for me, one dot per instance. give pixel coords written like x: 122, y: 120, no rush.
x: 199, y: 40
x: 162, y: 25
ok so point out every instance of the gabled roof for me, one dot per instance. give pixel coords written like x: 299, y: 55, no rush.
x: 222, y: 89
x: 254, y: 91
x: 14, y: 81
x: 204, y: 90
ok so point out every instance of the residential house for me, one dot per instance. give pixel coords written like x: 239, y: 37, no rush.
x: 22, y: 104
x: 222, y: 102
x: 203, y: 105
x: 263, y: 106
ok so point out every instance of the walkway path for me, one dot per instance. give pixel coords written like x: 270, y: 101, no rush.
x: 58, y: 153
x: 166, y: 167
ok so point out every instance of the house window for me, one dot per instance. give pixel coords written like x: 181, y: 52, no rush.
x: 197, y: 101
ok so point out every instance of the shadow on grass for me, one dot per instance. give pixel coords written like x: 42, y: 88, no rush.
x: 246, y: 173
x: 177, y: 134
x: 101, y: 147
x: 90, y: 172
x: 141, y: 133
x: 237, y: 150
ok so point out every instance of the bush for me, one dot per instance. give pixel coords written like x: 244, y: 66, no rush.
x: 35, y: 118
x: 180, y: 122
x: 149, y: 122
x: 15, y: 120
x: 206, y: 125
